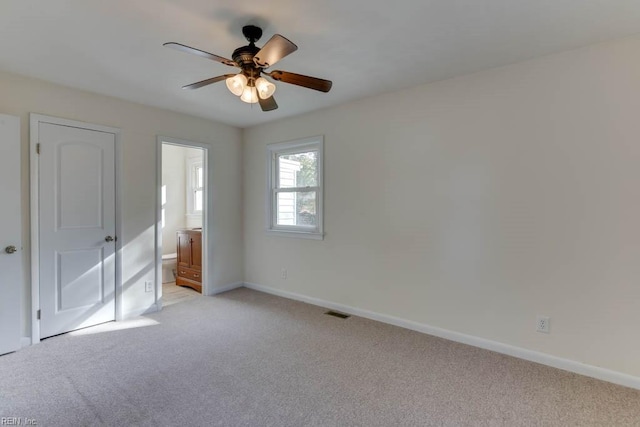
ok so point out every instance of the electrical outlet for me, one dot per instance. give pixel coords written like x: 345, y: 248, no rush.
x: 148, y: 286
x: 283, y: 273
x: 543, y: 324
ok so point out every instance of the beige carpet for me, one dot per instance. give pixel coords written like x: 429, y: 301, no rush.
x: 249, y: 359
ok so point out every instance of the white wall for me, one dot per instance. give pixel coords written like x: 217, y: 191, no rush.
x: 140, y: 125
x: 175, y: 170
x: 174, y: 183
x: 175, y: 180
x: 476, y: 203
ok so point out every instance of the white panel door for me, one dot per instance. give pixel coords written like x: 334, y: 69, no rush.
x: 77, y: 228
x: 10, y: 237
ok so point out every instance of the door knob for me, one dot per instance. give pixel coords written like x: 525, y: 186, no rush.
x: 10, y: 249
x: 108, y: 239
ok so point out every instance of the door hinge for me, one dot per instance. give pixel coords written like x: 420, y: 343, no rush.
x: 38, y: 148
x: 38, y: 315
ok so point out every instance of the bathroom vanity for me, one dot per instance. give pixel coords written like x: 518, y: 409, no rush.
x: 189, y: 262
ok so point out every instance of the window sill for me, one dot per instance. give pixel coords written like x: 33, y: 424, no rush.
x: 296, y: 234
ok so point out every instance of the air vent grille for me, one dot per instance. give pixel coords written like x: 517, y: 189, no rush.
x: 337, y: 314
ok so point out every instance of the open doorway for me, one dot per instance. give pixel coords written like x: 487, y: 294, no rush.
x: 182, y: 220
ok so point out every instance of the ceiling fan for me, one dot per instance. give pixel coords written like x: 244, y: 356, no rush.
x: 249, y: 84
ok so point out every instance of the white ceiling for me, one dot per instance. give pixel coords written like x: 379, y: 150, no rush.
x: 364, y: 46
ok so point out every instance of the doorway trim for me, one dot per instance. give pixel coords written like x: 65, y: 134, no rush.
x: 34, y: 165
x: 207, y: 221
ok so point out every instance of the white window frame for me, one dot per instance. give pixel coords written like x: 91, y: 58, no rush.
x: 315, y: 143
x: 192, y: 164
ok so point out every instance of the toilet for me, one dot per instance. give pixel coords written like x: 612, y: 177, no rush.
x: 169, y: 267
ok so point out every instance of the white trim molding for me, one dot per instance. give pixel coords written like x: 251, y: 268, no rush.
x: 510, y: 350
x: 141, y: 311
x: 274, y: 151
x: 207, y: 217
x: 227, y: 288
x: 296, y: 234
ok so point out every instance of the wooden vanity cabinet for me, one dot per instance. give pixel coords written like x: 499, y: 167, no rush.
x: 189, y: 262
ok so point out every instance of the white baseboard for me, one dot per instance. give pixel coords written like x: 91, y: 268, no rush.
x: 519, y: 352
x: 140, y: 311
x: 227, y: 288
x: 25, y: 342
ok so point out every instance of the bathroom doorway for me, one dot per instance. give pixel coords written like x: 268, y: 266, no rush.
x: 181, y: 226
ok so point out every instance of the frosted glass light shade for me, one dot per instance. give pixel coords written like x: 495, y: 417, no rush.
x: 237, y: 84
x: 249, y: 95
x: 265, y: 88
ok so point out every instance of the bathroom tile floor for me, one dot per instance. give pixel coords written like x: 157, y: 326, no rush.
x: 172, y: 294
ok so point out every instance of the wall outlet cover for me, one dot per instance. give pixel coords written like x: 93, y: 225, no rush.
x: 543, y: 324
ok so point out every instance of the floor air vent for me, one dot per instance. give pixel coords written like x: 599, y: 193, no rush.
x: 338, y: 315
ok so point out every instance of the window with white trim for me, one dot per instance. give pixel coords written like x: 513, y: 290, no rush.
x: 295, y: 187
x: 195, y: 185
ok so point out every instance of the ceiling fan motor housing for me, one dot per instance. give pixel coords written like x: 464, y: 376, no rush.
x: 243, y: 56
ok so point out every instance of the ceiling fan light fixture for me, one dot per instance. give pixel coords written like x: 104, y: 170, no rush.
x: 252, y: 61
x: 237, y: 84
x: 249, y: 95
x: 265, y: 88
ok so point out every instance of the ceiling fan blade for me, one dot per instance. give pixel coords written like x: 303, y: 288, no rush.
x: 212, y: 80
x: 202, y: 53
x: 273, y: 51
x: 300, y: 80
x: 268, y: 104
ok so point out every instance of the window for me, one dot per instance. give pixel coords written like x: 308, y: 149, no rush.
x: 195, y: 186
x: 295, y: 188
x: 164, y: 204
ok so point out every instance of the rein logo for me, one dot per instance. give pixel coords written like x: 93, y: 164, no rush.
x: 17, y: 421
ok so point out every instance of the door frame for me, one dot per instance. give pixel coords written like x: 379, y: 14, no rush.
x: 34, y: 165
x: 207, y: 241
x: 15, y: 312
